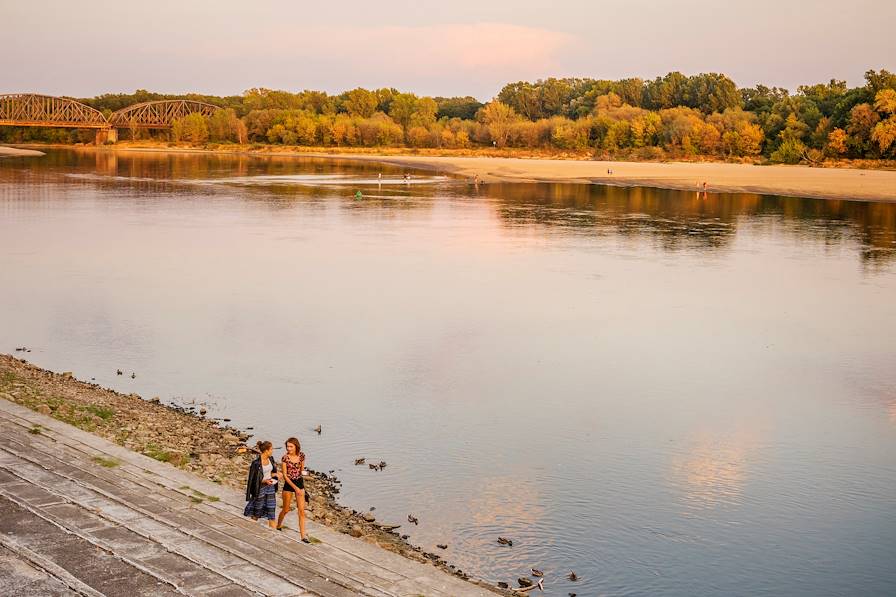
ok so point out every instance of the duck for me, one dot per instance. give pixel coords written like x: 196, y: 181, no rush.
x: 119, y: 372
x: 133, y: 375
x: 359, y: 461
x: 317, y: 429
x: 505, y: 541
x: 373, y: 467
x: 442, y: 546
x: 382, y: 464
x: 412, y: 519
x: 537, y: 572
x: 573, y: 576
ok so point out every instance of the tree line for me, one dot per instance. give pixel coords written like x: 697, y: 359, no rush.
x: 672, y: 116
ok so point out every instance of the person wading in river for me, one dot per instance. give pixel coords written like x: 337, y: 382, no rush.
x: 293, y: 483
x: 261, y: 485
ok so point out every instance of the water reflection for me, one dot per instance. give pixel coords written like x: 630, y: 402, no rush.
x: 577, y: 367
x: 713, y: 468
x: 675, y: 221
x: 680, y: 220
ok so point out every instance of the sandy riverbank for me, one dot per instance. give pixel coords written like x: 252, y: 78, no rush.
x: 796, y: 181
x: 839, y: 183
x: 181, y: 436
x: 8, y: 152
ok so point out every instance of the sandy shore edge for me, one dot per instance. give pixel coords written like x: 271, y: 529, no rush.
x: 9, y: 152
x: 185, y: 438
x: 794, y: 181
x: 849, y: 184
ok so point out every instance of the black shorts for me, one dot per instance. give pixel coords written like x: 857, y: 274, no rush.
x: 300, y: 483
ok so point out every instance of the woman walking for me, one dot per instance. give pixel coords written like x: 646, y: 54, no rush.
x: 294, y: 484
x: 261, y: 486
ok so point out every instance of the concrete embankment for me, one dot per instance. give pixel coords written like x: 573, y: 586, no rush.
x: 81, y: 513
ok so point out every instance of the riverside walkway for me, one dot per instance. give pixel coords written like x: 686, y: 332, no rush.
x: 80, y: 515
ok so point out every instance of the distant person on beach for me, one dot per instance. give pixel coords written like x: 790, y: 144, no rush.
x: 261, y: 485
x: 294, y: 484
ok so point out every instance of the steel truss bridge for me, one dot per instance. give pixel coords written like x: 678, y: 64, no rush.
x: 30, y: 109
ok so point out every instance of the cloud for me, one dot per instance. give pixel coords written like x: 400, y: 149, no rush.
x: 372, y: 56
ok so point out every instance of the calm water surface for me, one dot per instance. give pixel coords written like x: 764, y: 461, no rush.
x: 667, y: 395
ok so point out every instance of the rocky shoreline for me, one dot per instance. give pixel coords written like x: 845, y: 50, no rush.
x: 184, y: 437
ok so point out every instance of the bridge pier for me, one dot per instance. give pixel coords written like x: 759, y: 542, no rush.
x: 109, y: 135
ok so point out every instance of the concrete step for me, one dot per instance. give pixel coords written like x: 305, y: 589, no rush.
x: 136, y: 524
x: 84, y: 567
x: 22, y: 578
x: 141, y: 504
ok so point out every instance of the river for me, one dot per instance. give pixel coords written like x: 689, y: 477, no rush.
x: 665, y: 393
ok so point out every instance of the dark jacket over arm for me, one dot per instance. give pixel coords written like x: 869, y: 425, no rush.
x: 256, y: 474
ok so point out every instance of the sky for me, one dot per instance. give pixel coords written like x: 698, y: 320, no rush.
x: 83, y: 48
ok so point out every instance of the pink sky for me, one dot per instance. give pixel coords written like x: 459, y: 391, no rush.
x: 436, y: 48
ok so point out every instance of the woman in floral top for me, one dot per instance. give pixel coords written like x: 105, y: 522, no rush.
x: 293, y: 467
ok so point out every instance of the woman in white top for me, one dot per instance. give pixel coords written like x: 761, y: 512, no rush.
x: 261, y: 486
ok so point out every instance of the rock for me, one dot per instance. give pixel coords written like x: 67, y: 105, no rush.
x: 524, y: 582
x: 44, y: 409
x: 155, y: 399
x: 503, y: 585
x: 356, y: 531
x: 67, y: 374
x: 368, y: 517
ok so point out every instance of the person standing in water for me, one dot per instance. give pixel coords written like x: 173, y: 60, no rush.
x: 294, y: 484
x: 261, y: 485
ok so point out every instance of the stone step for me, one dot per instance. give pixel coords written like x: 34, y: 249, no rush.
x: 21, y: 577
x: 159, y: 510
x: 88, y: 569
x: 176, y: 532
x: 375, y: 580
x: 149, y: 499
x: 90, y: 523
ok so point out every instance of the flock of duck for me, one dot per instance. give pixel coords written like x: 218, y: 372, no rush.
x: 526, y: 584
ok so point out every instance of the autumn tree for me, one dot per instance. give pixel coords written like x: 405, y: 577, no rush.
x: 884, y: 133
x: 498, y: 119
x: 862, y: 120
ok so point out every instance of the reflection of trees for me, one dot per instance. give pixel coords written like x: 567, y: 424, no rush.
x: 682, y: 220
x: 674, y: 220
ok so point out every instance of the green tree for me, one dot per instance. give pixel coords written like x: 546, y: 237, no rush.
x: 457, y: 107
x: 360, y: 102
x: 402, y: 108
x: 192, y: 128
